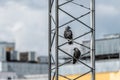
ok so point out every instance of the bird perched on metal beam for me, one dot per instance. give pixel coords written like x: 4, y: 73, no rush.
x: 76, y: 55
x: 68, y: 35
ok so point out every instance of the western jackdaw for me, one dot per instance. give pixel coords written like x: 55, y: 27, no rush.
x: 76, y: 55
x: 68, y: 35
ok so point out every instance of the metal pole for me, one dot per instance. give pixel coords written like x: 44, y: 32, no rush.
x: 57, y: 33
x: 49, y: 40
x: 92, y: 6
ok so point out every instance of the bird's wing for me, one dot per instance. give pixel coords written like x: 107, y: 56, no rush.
x: 77, y: 54
x: 65, y: 34
x: 68, y: 34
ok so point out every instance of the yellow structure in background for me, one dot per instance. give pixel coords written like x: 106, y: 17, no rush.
x: 99, y: 76
x: 9, y: 48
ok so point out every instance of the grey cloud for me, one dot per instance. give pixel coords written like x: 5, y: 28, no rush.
x: 25, y: 25
x: 33, y: 35
x: 107, y: 23
x: 36, y: 4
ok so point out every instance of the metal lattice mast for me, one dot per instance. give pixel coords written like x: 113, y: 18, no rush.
x: 53, y: 37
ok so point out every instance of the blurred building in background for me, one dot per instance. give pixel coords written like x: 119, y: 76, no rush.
x: 107, y: 60
x: 14, y: 64
x: 27, y: 66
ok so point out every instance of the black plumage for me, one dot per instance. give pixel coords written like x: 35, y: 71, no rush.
x: 68, y: 35
x: 76, y: 55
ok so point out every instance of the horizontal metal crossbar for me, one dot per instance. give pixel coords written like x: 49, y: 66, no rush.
x: 81, y: 5
x: 85, y: 64
x: 81, y: 44
x: 65, y: 3
x: 52, y: 3
x: 53, y: 39
x: 64, y: 77
x: 75, y: 42
x: 62, y: 64
x: 74, y: 58
x: 83, y: 35
x: 82, y: 75
x: 85, y: 54
x: 53, y: 19
x: 52, y: 58
x: 71, y: 40
x: 76, y: 38
x: 75, y: 18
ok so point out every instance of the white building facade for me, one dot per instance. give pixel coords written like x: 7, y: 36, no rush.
x: 12, y: 68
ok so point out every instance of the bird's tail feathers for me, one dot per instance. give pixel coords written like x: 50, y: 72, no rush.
x: 70, y: 42
x: 74, y: 61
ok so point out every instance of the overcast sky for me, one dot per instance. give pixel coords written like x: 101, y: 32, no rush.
x: 25, y: 22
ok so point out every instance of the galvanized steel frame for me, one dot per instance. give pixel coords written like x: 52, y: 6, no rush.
x: 55, y: 38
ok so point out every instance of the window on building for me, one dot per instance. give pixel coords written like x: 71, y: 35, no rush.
x: 8, y: 55
x: 9, y: 78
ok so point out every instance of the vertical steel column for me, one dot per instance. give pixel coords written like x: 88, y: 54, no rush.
x: 92, y: 6
x: 49, y: 39
x: 56, y: 40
